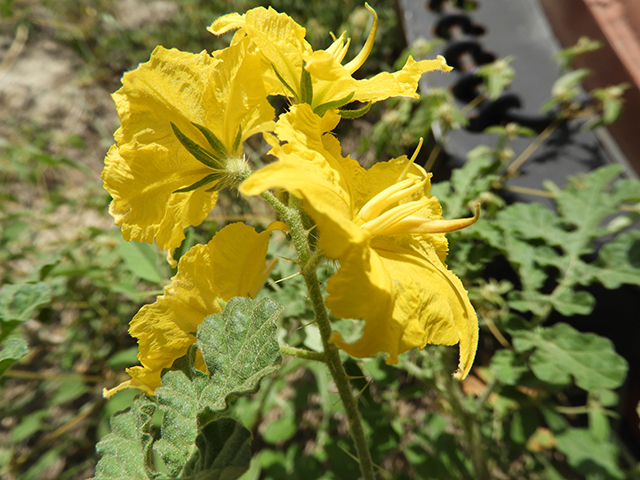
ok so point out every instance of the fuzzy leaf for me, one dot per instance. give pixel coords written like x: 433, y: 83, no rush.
x: 569, y: 303
x: 12, y: 350
x: 125, y: 450
x: 18, y: 302
x: 561, y: 352
x: 225, y: 451
x: 141, y: 260
x: 586, y: 201
x: 240, y: 348
x: 588, y: 455
x: 467, y: 182
x: 618, y: 262
x: 531, y: 221
x: 178, y: 399
x: 508, y: 366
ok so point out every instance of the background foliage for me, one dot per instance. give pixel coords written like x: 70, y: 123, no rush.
x: 539, y: 404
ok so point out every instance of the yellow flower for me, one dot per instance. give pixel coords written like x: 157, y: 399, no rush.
x: 387, y: 232
x: 231, y: 265
x: 318, y: 77
x: 172, y: 108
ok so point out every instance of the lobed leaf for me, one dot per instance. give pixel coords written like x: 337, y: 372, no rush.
x: 141, y: 260
x: 125, y: 452
x: 561, y: 352
x: 588, y: 455
x: 18, y: 302
x: 12, y: 350
x: 618, y: 262
x: 240, y: 348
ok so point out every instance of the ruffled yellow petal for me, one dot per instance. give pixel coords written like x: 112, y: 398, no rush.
x: 231, y: 265
x: 141, y: 179
x: 309, y: 171
x: 279, y: 38
x: 407, y: 300
x: 392, y: 273
x: 149, y: 163
x: 241, y: 251
x: 281, y: 41
x: 336, y: 82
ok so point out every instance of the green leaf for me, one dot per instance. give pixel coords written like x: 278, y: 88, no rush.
x: 567, y: 82
x: 588, y: 455
x: 569, y: 302
x: 528, y: 301
x: 586, y: 201
x: 240, y: 348
x: 29, y: 424
x: 225, y: 451
x: 561, y: 352
x: 125, y: 452
x: 18, y: 302
x: 531, y: 221
x: 508, y: 366
x: 12, y: 350
x: 618, y: 262
x: 141, y: 260
x: 467, y: 182
x: 237, y: 141
x: 497, y: 75
x: 179, y: 400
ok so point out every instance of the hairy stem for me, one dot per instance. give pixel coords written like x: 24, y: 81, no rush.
x: 302, y: 353
x: 308, y: 264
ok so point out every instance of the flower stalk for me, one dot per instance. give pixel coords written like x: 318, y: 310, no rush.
x: 292, y: 218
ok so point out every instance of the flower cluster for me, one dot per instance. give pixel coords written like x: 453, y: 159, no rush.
x: 184, y: 118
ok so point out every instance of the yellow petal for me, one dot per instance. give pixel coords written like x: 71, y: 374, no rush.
x: 401, y: 83
x: 279, y: 38
x: 149, y: 163
x: 232, y: 264
x: 141, y: 179
x: 429, y: 304
x: 316, y: 175
x: 240, y: 269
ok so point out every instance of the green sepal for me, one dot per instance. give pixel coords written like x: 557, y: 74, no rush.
x: 200, y: 183
x: 200, y: 154
x: 306, y: 86
x: 213, y: 140
x: 355, y: 113
x: 320, y: 110
x: 237, y: 141
x: 283, y: 81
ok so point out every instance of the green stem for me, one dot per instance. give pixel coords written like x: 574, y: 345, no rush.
x: 302, y: 353
x: 308, y: 264
x: 451, y: 390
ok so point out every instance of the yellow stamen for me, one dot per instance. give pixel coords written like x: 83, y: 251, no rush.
x: 411, y: 160
x: 338, y: 49
x: 390, y: 195
x: 386, y: 222
x: 359, y: 59
x: 411, y: 224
